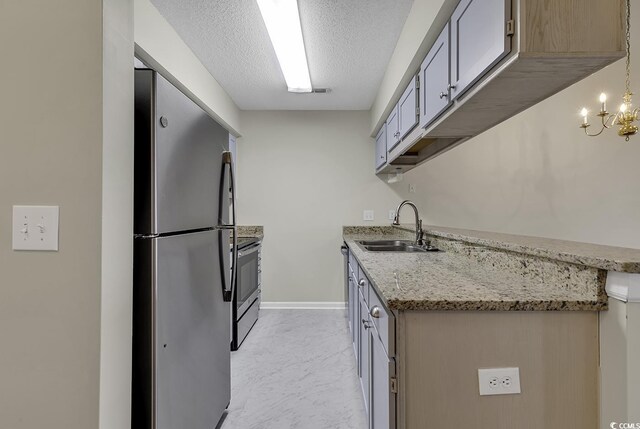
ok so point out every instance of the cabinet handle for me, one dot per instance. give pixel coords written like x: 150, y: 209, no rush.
x: 450, y: 87
x: 443, y: 95
x: 375, y: 312
x: 362, y: 282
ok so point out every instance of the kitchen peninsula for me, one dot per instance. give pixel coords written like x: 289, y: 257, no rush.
x: 485, y: 300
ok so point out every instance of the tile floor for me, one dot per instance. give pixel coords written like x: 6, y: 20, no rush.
x: 296, y: 369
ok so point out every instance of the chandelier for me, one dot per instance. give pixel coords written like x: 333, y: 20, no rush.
x: 626, y: 115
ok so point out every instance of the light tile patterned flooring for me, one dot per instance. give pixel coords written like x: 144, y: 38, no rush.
x: 296, y: 369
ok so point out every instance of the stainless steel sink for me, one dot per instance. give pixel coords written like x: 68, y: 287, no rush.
x: 386, y: 243
x: 394, y: 246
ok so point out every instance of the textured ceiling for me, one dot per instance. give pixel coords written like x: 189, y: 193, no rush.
x: 348, y: 43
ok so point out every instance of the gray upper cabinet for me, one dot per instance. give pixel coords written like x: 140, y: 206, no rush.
x: 408, y: 108
x: 393, y: 130
x: 478, y: 40
x: 434, y: 76
x: 381, y: 147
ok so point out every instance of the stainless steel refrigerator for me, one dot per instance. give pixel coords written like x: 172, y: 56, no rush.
x: 184, y: 274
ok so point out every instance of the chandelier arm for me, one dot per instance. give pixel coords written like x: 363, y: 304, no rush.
x: 611, y: 118
x: 596, y: 134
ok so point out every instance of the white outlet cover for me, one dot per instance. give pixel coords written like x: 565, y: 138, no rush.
x: 367, y: 215
x: 499, y: 381
x: 392, y: 214
x: 412, y: 188
x: 35, y: 228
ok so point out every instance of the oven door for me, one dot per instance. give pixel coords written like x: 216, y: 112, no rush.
x: 248, y: 281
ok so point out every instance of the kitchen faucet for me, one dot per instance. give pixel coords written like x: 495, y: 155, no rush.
x: 419, y: 232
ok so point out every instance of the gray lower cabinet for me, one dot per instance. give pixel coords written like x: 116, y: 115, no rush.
x: 478, y: 40
x: 382, y: 407
x: 435, y: 94
x: 408, y: 109
x: 393, y: 130
x: 381, y: 147
x: 373, y: 337
x: 364, y: 352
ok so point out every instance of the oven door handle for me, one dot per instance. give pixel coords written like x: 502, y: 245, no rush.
x: 249, y: 250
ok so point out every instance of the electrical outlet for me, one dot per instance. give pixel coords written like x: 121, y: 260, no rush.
x: 412, y: 188
x: 367, y: 215
x: 392, y: 214
x: 499, y: 381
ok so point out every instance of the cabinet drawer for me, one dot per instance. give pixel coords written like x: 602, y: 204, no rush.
x: 384, y: 323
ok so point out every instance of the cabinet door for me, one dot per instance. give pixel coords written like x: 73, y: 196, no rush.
x: 350, y: 300
x: 393, y: 133
x: 408, y: 108
x: 478, y: 40
x: 381, y: 147
x: 364, y: 352
x: 382, y: 406
x: 434, y: 87
x: 355, y: 304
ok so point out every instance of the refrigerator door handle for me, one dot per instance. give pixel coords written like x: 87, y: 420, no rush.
x: 227, y: 161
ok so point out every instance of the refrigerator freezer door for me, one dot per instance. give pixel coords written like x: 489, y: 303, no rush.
x: 178, y: 159
x: 193, y: 361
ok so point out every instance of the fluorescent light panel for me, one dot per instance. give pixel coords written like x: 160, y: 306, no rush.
x: 283, y: 24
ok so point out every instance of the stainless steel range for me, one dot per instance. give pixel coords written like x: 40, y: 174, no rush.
x: 246, y: 300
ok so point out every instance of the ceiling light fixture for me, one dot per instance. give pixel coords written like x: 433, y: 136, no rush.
x: 626, y: 115
x: 283, y: 24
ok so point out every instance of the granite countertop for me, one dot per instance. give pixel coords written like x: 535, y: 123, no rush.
x: 253, y: 231
x: 608, y: 258
x: 475, y: 280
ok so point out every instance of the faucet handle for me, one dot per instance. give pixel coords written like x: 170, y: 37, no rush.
x: 420, y: 234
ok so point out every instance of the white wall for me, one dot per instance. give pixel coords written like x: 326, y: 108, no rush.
x: 117, y: 216
x: 303, y: 175
x: 160, y: 46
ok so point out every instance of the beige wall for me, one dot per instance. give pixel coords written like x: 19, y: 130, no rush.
x: 158, y: 44
x: 538, y: 174
x: 51, y: 154
x: 303, y: 175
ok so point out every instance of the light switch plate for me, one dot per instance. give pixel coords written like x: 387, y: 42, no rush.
x: 367, y: 215
x: 35, y: 228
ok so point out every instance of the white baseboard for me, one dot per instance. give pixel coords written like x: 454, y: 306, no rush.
x: 303, y: 305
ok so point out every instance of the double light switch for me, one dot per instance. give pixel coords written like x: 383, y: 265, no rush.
x: 35, y: 227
